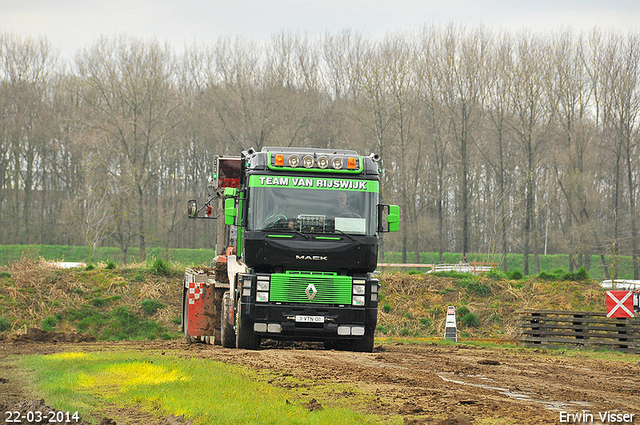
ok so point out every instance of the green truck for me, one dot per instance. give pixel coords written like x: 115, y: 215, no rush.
x: 304, y: 225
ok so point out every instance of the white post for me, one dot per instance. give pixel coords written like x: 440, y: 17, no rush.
x: 450, y: 328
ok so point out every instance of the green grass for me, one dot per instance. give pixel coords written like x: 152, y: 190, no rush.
x: 151, y: 306
x: 103, y: 302
x: 206, y: 392
x: 112, y: 256
x: 516, y: 262
x: 5, y: 324
x: 51, y: 322
x: 120, y: 323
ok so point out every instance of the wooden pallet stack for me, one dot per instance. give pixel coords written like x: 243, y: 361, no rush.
x: 540, y: 328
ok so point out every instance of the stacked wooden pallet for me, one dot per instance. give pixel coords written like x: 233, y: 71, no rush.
x: 538, y: 328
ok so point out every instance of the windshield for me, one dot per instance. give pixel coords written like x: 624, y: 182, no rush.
x: 313, y: 210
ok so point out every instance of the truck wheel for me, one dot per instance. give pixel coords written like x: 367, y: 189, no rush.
x: 227, y: 333
x: 185, y: 318
x: 245, y: 337
x: 364, y: 345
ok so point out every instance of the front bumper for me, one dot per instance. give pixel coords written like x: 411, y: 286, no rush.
x: 302, y: 323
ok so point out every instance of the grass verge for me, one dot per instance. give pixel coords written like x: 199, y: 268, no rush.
x: 204, y: 391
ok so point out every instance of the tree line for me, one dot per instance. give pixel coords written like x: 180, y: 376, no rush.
x: 491, y: 141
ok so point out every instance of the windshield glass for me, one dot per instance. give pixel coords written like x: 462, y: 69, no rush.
x: 290, y: 208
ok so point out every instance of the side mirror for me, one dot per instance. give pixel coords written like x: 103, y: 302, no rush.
x: 393, y: 218
x: 388, y: 218
x: 230, y: 211
x: 192, y: 209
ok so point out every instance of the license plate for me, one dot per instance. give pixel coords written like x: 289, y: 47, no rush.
x: 310, y: 319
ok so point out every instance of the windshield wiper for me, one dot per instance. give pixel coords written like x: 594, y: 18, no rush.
x: 286, y: 230
x: 304, y: 235
x: 347, y: 235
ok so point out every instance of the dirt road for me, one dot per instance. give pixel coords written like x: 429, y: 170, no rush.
x: 423, y: 383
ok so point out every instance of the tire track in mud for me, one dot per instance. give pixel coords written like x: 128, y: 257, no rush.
x: 435, y: 381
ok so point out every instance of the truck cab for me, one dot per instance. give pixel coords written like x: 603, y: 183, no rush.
x: 307, y: 224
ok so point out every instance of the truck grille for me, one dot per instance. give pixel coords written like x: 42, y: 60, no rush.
x: 291, y: 287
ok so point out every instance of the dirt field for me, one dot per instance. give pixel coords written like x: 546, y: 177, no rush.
x: 426, y: 384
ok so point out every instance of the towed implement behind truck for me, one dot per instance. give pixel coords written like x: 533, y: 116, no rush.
x: 300, y: 241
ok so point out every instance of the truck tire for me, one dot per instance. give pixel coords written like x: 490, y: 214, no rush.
x: 227, y: 333
x: 185, y: 318
x: 364, y: 345
x: 245, y: 337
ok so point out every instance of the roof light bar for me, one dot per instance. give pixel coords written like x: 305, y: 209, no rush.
x: 336, y: 162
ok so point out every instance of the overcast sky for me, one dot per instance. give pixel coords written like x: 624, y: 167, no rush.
x: 72, y: 24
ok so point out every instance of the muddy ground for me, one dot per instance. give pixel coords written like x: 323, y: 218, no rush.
x: 424, y: 383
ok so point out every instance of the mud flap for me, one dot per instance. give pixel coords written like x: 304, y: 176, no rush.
x: 201, y: 309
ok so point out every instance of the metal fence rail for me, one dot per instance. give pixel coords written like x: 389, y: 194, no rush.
x: 474, y: 267
x: 539, y: 328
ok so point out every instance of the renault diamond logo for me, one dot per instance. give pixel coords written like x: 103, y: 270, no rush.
x: 311, y: 291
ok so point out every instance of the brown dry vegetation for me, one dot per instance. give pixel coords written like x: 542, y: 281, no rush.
x: 415, y: 305
x: 410, y: 304
x: 32, y: 291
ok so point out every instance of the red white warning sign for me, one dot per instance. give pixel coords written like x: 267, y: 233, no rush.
x: 619, y: 304
x: 195, y: 290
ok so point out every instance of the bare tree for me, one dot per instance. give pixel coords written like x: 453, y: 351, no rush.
x: 128, y: 86
x: 572, y: 160
x: 26, y: 122
x: 435, y: 128
x: 614, y: 75
x: 94, y: 221
x: 396, y: 56
x: 497, y: 152
x: 626, y: 101
x: 532, y: 109
x: 461, y: 75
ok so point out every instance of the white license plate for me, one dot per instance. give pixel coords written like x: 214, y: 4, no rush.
x: 310, y: 319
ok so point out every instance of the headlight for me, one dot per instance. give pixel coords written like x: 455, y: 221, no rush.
x: 262, y: 297
x: 246, y: 283
x: 337, y: 163
x: 307, y: 161
x: 358, y: 289
x: 294, y: 161
x: 263, y: 285
x: 358, y: 300
x: 344, y: 330
x: 357, y: 330
x: 275, y: 328
x: 323, y: 162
